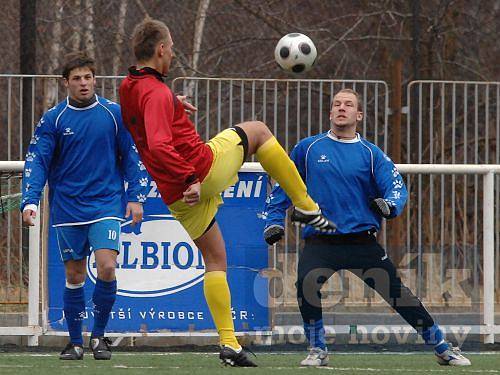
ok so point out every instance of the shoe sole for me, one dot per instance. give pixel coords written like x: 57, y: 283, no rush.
x: 320, y: 365
x: 70, y: 359
x: 102, y: 357
x: 228, y: 362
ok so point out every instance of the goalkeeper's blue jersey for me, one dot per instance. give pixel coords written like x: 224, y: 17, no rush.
x: 86, y: 154
x: 343, y: 177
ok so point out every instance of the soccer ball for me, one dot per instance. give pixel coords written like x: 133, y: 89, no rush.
x: 295, y: 53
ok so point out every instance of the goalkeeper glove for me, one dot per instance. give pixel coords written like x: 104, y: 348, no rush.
x: 273, y: 234
x: 380, y: 206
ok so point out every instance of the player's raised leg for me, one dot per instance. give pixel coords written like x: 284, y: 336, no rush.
x: 276, y: 162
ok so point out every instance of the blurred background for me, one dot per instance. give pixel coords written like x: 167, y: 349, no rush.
x: 436, y: 39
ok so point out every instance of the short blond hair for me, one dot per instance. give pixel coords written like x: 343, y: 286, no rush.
x: 145, y: 37
x: 355, y: 93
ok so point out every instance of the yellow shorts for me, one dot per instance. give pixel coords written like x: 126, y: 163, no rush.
x: 228, y: 157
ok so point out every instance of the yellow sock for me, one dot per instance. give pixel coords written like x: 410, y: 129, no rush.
x: 218, y: 298
x: 276, y: 162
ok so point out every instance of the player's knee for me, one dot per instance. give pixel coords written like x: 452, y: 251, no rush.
x: 106, y: 271
x: 75, y: 277
x: 256, y: 129
x: 263, y: 129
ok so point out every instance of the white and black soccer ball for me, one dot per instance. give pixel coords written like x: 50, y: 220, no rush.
x: 295, y: 53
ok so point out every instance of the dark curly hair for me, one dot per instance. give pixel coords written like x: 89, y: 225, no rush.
x: 76, y: 60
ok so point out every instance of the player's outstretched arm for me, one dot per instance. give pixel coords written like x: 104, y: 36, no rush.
x: 134, y: 170
x: 274, y: 214
x: 36, y: 167
x: 391, y: 186
x: 188, y: 106
x: 381, y: 207
x: 273, y: 233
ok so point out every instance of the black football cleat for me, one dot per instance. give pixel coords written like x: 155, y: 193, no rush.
x: 313, y: 218
x: 230, y: 357
x: 100, y: 347
x: 72, y: 352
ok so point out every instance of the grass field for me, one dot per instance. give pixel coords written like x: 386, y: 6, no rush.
x: 207, y: 363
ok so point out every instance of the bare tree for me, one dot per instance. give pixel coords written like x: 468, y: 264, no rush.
x: 51, y: 86
x: 89, y: 41
x: 199, y: 28
x: 119, y: 37
x: 77, y: 31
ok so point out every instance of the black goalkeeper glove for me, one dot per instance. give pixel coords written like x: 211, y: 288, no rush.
x: 273, y: 234
x: 380, y: 206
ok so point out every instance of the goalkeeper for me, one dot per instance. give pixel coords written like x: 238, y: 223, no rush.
x: 357, y: 185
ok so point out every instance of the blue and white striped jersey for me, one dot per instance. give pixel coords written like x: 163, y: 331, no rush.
x: 86, y: 154
x: 343, y: 177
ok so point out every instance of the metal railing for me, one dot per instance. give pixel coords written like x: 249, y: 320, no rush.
x: 292, y: 109
x: 445, y: 120
x: 486, y: 328
x: 451, y: 122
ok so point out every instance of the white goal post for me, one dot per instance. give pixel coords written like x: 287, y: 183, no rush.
x: 487, y: 328
x: 34, y: 329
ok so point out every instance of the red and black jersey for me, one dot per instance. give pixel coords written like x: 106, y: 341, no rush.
x: 169, y: 146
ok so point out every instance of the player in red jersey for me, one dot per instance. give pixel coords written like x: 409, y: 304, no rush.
x: 190, y: 174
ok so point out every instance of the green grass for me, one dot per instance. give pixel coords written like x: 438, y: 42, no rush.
x: 203, y: 363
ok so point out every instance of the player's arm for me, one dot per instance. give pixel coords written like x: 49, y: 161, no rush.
x: 393, y: 193
x: 274, y: 213
x: 158, y: 109
x: 277, y: 203
x: 134, y: 173
x: 36, y: 167
x: 188, y: 106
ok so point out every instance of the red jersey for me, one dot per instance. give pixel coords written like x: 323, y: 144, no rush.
x: 169, y: 146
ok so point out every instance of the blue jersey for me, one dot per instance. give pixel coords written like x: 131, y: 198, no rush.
x: 343, y: 177
x: 86, y: 154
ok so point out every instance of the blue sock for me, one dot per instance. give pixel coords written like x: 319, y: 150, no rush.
x: 74, y: 310
x: 315, y: 333
x: 441, y: 347
x: 434, y: 336
x: 103, y: 298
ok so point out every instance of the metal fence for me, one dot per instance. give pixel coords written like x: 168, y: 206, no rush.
x: 293, y: 109
x: 26, y: 98
x: 447, y: 123
x: 451, y: 122
x: 485, y: 323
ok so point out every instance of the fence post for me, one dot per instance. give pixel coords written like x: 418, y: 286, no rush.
x: 395, y: 227
x: 488, y: 258
x: 34, y: 280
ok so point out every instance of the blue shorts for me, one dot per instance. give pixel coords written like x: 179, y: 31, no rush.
x: 75, y: 242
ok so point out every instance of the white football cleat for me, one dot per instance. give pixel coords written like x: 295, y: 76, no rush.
x: 452, y: 357
x: 316, y: 357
